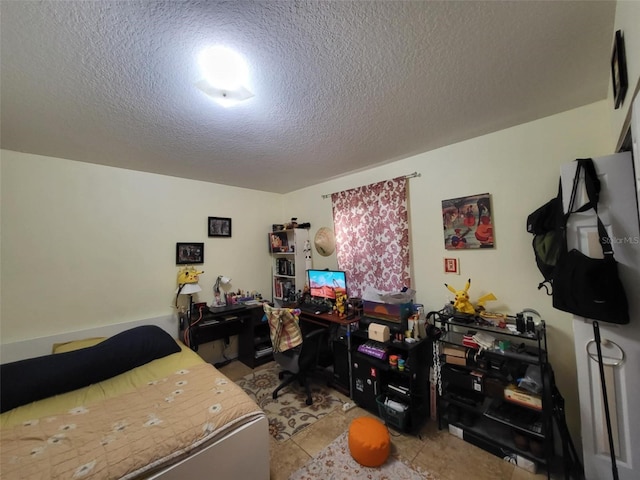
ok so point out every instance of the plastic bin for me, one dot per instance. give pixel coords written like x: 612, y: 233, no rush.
x: 392, y: 417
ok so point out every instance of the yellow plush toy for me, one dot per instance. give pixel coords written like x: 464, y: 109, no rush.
x: 341, y: 303
x: 461, y: 301
x: 188, y: 275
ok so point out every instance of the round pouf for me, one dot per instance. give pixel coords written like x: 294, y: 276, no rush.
x: 369, y: 441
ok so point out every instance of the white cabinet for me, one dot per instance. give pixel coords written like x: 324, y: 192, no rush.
x: 290, y: 261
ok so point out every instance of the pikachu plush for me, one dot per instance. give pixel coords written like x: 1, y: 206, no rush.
x: 461, y: 301
x: 188, y: 274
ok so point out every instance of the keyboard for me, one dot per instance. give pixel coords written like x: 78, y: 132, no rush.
x: 314, y: 307
x: 226, y: 308
x: 374, y: 349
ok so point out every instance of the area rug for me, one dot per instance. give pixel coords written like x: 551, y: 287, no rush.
x: 335, y: 462
x: 288, y: 414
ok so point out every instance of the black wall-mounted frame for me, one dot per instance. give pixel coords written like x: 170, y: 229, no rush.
x: 219, y: 227
x: 189, y: 253
x: 619, y: 70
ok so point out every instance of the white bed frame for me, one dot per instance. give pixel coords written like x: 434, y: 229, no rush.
x: 241, y: 453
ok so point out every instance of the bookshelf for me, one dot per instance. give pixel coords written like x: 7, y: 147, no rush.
x: 289, y: 266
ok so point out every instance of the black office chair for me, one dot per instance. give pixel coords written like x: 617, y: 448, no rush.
x: 297, y: 355
x: 300, y: 365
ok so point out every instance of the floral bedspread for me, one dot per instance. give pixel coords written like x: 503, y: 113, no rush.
x: 129, y: 435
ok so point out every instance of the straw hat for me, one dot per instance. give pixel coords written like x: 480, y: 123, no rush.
x: 325, y: 241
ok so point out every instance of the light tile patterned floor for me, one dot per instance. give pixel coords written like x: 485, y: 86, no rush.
x: 436, y: 451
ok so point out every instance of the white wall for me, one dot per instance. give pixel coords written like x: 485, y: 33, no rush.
x: 85, y: 245
x: 627, y: 19
x: 520, y: 168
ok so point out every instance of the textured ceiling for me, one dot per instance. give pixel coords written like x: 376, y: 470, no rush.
x: 339, y: 86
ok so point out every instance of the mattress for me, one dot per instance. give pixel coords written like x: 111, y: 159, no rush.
x: 127, y: 426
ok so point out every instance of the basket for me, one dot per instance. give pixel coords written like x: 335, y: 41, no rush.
x: 390, y: 416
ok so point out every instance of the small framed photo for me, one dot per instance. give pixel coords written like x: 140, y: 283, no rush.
x: 189, y: 253
x: 452, y: 265
x: 219, y: 227
x: 619, y: 70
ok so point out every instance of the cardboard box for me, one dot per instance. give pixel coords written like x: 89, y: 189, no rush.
x: 453, y: 360
x: 390, y: 312
x: 455, y: 355
x: 522, y: 397
x: 454, y: 351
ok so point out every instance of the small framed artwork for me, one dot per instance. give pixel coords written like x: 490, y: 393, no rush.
x: 189, y: 253
x: 219, y: 227
x: 619, y: 70
x: 467, y: 222
x: 451, y: 265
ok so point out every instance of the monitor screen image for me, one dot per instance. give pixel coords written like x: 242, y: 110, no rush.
x: 325, y: 283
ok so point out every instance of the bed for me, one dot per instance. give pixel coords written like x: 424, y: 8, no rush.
x: 136, y: 405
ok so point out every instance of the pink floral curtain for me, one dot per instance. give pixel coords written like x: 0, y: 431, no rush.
x: 372, y: 236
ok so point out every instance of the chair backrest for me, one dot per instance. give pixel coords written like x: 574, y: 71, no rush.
x: 283, y: 328
x: 310, y: 349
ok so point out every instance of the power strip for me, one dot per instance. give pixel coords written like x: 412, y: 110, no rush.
x: 347, y: 406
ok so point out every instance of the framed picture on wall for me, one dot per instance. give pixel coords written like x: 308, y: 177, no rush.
x: 467, y: 222
x: 619, y: 70
x: 219, y: 227
x: 189, y: 253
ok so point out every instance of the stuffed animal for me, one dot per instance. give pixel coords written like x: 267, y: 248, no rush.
x: 461, y: 301
x: 341, y: 303
x: 188, y: 275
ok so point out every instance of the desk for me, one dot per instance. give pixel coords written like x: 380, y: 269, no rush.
x: 326, y: 320
x: 222, y: 323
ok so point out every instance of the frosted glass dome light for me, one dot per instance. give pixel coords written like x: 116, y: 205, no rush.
x: 223, y: 68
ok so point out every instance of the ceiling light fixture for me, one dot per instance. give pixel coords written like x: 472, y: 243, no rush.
x: 225, y: 76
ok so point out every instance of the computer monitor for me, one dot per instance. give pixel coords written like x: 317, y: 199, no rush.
x: 325, y: 283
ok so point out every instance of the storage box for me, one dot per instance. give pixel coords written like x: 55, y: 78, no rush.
x: 455, y: 355
x: 522, y: 397
x: 377, y: 332
x: 455, y: 360
x: 393, y: 417
x: 390, y: 312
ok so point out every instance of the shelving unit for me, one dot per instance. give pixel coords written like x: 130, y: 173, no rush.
x: 374, y: 380
x: 254, y: 343
x: 476, y: 395
x: 288, y: 263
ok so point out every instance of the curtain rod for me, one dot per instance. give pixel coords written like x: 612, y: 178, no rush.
x: 411, y: 175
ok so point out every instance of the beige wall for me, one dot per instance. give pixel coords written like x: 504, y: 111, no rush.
x: 520, y: 168
x: 627, y: 19
x: 86, y: 245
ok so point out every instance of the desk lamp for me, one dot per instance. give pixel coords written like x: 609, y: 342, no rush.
x: 221, y: 280
x: 188, y: 285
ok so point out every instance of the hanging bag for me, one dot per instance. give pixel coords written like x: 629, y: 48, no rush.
x: 585, y: 286
x: 546, y: 225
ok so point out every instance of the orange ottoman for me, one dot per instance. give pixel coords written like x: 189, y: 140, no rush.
x: 369, y: 441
